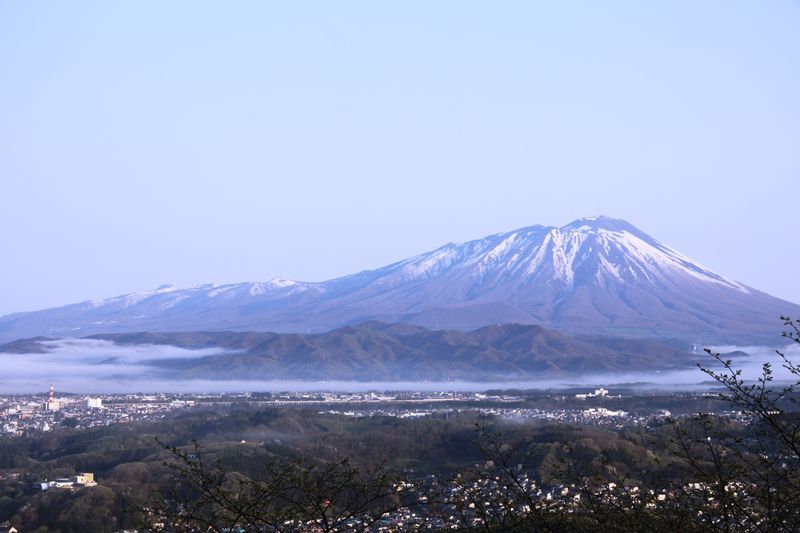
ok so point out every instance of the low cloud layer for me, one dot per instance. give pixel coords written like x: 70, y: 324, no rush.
x: 96, y: 366
x: 90, y: 365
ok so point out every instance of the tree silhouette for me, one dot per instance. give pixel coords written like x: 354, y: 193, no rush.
x: 290, y: 494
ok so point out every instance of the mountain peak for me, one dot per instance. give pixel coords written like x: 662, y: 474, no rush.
x: 602, y: 223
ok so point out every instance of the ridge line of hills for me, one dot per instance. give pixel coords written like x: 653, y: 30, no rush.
x: 375, y: 351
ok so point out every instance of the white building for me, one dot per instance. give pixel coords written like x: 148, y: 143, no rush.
x: 51, y: 405
x: 84, y: 479
x: 94, y: 403
x: 598, y: 393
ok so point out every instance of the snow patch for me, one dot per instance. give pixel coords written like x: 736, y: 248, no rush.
x: 430, y: 264
x: 666, y: 258
x: 221, y: 291
x: 279, y: 283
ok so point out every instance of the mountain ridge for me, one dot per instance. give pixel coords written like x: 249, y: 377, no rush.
x: 376, y: 351
x: 596, y: 276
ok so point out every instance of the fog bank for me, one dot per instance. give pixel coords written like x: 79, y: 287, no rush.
x: 100, y: 366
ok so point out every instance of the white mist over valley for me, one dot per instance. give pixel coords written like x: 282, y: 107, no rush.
x: 100, y: 366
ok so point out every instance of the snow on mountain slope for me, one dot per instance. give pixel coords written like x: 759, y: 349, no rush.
x: 595, y: 275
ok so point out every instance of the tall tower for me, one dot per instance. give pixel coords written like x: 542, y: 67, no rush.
x: 51, y: 404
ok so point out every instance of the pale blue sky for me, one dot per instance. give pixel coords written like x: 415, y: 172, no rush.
x: 157, y: 142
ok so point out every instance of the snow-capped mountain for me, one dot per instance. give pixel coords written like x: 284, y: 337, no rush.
x: 596, y: 275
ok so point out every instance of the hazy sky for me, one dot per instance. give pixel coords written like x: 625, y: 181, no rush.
x: 157, y: 142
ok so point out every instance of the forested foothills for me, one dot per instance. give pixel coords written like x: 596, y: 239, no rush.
x: 723, y: 460
x: 128, y: 460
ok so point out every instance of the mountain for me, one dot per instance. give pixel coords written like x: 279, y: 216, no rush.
x: 597, y: 275
x: 375, y: 351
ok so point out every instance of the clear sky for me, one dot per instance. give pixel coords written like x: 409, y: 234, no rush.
x: 157, y: 142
